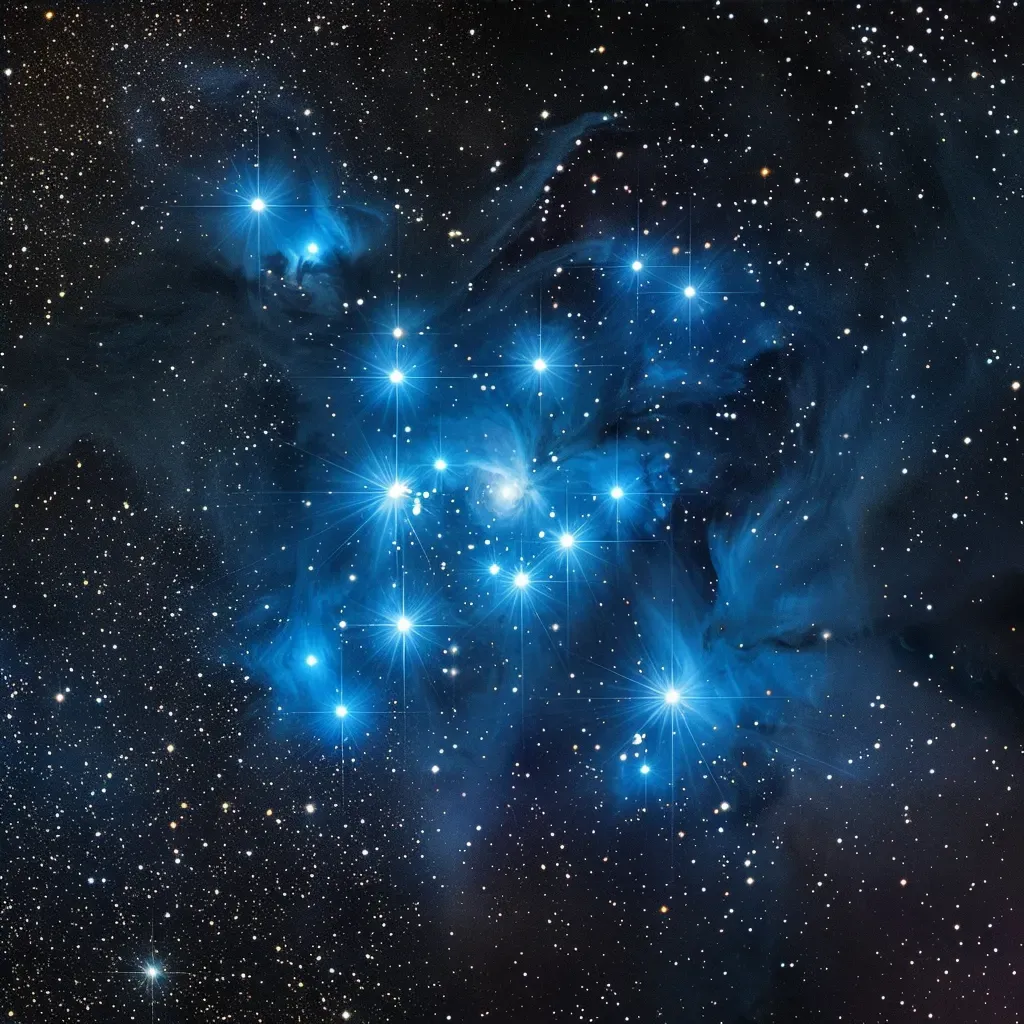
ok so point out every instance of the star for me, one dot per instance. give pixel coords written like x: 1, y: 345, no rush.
x: 257, y: 205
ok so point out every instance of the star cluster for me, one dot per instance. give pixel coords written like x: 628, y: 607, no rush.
x: 511, y: 513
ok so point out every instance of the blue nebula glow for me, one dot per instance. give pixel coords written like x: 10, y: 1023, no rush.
x: 287, y: 224
x: 504, y: 491
x: 551, y: 491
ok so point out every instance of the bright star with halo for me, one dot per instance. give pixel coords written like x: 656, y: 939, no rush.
x: 403, y: 625
x: 637, y: 266
x: 539, y: 365
x: 257, y: 205
x: 617, y: 492
x: 396, y: 376
x: 311, y: 660
x: 341, y: 711
x: 567, y: 540
x: 521, y: 579
x: 672, y: 696
x: 440, y: 465
x: 689, y: 291
x: 397, y: 333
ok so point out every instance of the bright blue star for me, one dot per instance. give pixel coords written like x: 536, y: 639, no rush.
x: 689, y: 291
x: 637, y: 266
x: 257, y: 205
x: 617, y: 492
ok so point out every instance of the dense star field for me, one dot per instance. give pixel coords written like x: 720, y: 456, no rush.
x: 512, y: 512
